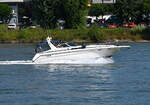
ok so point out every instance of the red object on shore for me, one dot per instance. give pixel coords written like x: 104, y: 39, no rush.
x: 125, y: 25
x: 112, y: 26
x: 129, y: 25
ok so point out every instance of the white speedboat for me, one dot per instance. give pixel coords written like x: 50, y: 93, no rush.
x: 70, y: 51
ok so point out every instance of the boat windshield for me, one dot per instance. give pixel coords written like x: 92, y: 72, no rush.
x: 68, y: 44
x: 42, y: 46
x: 72, y: 44
x: 64, y: 45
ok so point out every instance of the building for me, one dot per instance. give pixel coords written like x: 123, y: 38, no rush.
x: 103, y: 1
x: 14, y: 5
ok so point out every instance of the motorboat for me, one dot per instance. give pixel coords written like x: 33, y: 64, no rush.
x: 71, y: 51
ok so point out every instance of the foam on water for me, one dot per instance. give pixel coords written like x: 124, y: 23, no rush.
x: 15, y: 62
x: 79, y: 61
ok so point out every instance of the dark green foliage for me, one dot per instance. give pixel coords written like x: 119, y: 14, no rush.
x: 97, y: 10
x: 124, y: 9
x: 109, y: 9
x: 95, y: 34
x: 146, y: 33
x: 132, y: 10
x: 5, y: 11
x: 25, y: 10
x: 146, y: 9
x: 74, y: 13
x: 142, y: 11
x: 21, y: 11
x: 45, y: 11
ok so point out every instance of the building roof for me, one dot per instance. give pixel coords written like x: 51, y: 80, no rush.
x: 13, y: 1
x: 103, y: 1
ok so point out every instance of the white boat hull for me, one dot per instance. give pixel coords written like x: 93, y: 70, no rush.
x: 75, y: 55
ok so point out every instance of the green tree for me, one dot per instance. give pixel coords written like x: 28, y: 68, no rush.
x: 125, y: 10
x: 142, y: 11
x: 25, y: 9
x: 146, y: 8
x: 74, y: 13
x: 45, y: 12
x: 5, y: 11
x: 97, y: 10
x: 138, y: 12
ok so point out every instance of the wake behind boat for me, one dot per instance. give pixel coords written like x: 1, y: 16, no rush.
x: 71, y: 51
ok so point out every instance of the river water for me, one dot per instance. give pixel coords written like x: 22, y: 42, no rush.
x: 121, y: 80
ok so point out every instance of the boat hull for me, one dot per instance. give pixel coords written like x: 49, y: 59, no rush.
x: 79, y: 54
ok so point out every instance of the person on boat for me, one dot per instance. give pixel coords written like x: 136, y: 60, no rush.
x: 36, y: 50
x: 83, y: 45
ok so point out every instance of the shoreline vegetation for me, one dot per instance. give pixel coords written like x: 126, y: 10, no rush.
x: 87, y: 35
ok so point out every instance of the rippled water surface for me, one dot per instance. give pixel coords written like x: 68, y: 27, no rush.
x: 126, y: 81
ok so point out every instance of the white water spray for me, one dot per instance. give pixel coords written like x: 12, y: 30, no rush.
x: 83, y: 61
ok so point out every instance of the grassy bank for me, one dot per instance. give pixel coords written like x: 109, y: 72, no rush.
x: 93, y: 34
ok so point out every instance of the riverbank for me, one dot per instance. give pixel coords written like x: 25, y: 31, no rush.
x: 93, y: 34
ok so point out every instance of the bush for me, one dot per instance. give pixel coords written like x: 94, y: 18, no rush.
x: 95, y: 34
x: 146, y: 33
x: 137, y: 29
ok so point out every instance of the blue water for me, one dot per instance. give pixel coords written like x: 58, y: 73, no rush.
x: 126, y: 81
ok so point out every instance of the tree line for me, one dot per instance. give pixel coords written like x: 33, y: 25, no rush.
x: 74, y: 12
x: 47, y: 12
x: 126, y: 10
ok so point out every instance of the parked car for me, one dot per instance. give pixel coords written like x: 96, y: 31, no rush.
x: 33, y: 26
x: 112, y: 25
x: 132, y: 24
x: 1, y: 22
x: 129, y: 25
x: 12, y: 26
x: 22, y: 26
